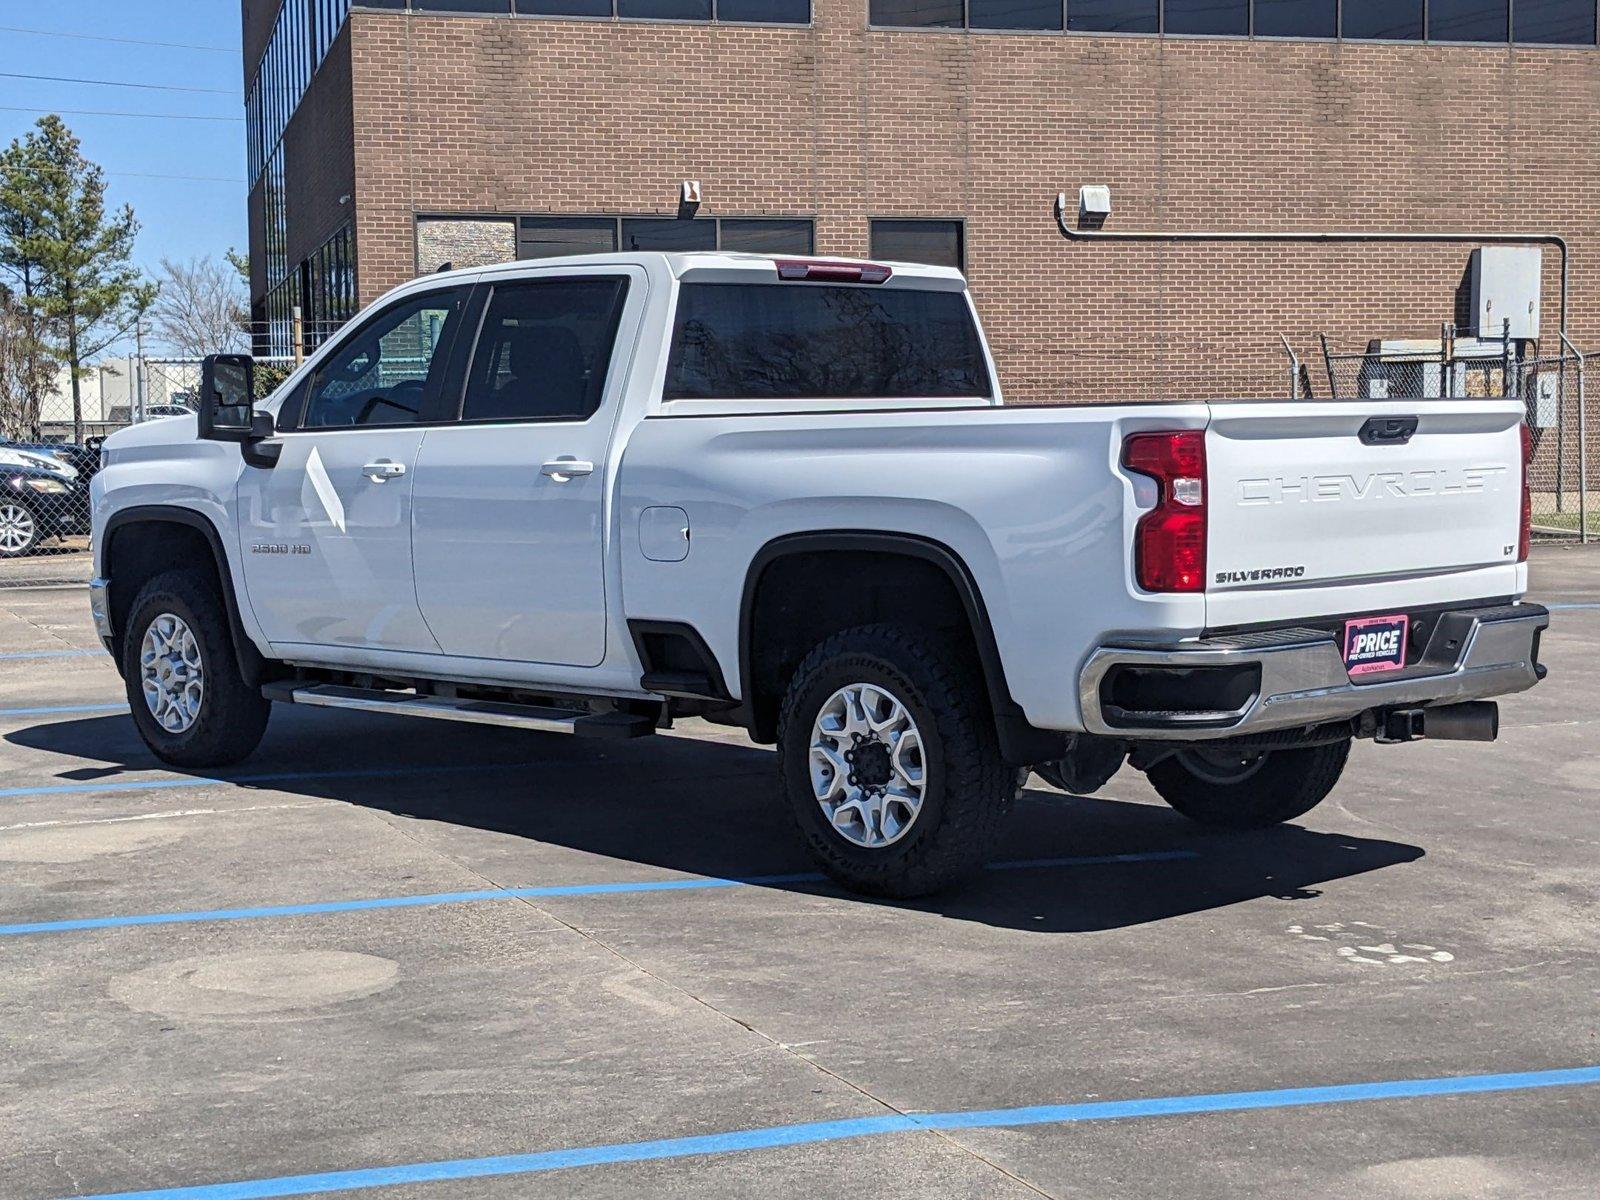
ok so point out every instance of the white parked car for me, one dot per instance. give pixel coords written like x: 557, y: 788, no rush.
x: 597, y: 494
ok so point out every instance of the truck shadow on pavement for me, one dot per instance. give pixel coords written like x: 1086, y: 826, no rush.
x: 703, y: 807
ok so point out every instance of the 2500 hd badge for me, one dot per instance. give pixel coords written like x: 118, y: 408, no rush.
x: 280, y: 548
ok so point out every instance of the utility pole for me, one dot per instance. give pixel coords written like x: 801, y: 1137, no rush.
x: 138, y: 370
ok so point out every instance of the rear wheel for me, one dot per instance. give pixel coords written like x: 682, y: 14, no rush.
x: 889, y: 763
x: 19, y: 529
x: 189, y: 699
x: 1233, y: 789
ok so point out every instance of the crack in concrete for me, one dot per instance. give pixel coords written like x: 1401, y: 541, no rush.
x: 771, y: 1042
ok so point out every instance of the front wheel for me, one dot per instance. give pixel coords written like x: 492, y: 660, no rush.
x: 188, y: 696
x: 1234, y: 789
x: 889, y: 763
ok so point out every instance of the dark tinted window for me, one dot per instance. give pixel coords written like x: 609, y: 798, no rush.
x: 1467, y: 20
x: 792, y: 12
x: 811, y: 341
x: 389, y: 368
x: 1385, y: 20
x: 1297, y: 18
x: 937, y: 243
x: 564, y: 8
x: 543, y: 350
x: 1014, y: 14
x: 666, y: 10
x: 1554, y: 22
x: 665, y: 233
x: 759, y: 236
x: 917, y: 14
x: 1112, y: 16
x: 551, y: 237
x: 1207, y: 16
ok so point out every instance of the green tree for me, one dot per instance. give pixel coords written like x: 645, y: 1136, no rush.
x: 76, y: 258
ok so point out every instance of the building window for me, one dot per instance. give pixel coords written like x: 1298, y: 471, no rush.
x: 668, y: 233
x: 1468, y: 21
x: 551, y: 237
x: 1114, y: 16
x: 936, y: 243
x: 1538, y: 22
x: 1554, y: 22
x: 1297, y: 18
x: 300, y: 40
x: 765, y: 236
x: 764, y: 12
x: 1230, y: 17
x: 1382, y: 20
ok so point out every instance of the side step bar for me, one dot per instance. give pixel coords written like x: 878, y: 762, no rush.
x: 475, y: 712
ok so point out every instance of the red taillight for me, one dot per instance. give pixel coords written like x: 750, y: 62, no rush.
x: 1525, y: 538
x: 1169, y: 552
x: 832, y: 272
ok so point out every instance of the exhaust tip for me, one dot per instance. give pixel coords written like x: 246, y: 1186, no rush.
x: 1473, y: 721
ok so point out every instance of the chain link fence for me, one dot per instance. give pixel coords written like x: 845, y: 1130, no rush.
x: 1550, y: 381
x: 50, y: 453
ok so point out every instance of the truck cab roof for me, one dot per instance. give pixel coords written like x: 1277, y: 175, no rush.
x: 682, y: 265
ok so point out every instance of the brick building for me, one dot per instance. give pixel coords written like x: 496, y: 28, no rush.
x: 402, y: 134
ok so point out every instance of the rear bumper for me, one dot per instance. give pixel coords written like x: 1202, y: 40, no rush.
x: 1289, y: 678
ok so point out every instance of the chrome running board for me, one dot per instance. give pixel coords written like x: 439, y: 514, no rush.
x: 476, y: 712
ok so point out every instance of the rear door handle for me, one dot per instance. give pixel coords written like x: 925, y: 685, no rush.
x: 383, y: 470
x: 565, y: 468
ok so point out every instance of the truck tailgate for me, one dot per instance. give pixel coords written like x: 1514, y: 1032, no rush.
x: 1301, y: 498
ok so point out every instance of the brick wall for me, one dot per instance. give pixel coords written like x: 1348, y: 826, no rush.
x: 843, y: 123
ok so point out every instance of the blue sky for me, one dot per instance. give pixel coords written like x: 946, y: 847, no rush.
x: 182, y: 218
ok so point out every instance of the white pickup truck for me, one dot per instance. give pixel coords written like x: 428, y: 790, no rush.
x: 597, y: 494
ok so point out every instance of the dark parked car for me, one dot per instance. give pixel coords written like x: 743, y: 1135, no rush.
x: 40, y: 497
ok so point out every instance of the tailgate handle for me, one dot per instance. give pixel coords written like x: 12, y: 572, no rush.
x: 1388, y: 431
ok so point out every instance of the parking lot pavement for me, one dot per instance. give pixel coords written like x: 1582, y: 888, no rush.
x: 401, y: 959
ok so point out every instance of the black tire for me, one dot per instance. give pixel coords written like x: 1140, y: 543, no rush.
x: 1277, y: 785
x: 23, y: 521
x: 967, y: 789
x: 232, y: 715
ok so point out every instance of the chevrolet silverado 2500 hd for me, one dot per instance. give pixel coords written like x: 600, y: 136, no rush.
x: 595, y: 494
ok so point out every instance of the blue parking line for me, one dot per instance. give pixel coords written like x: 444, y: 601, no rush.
x: 136, y: 785
x: 1569, y: 607
x: 489, y: 895
x: 813, y: 1133
x: 54, y: 654
x: 53, y: 709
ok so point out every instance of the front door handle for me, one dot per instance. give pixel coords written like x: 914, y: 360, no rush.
x: 565, y: 468
x: 383, y: 470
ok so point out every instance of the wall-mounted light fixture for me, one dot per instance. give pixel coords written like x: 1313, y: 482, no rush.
x: 688, y: 198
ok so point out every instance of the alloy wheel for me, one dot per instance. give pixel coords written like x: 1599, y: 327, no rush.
x: 867, y: 767
x: 171, y: 673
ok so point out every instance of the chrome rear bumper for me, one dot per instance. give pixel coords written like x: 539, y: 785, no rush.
x: 1474, y: 654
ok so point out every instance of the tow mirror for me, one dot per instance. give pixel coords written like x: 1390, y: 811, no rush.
x: 227, y: 398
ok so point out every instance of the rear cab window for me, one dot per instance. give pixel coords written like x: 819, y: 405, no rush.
x: 813, y: 341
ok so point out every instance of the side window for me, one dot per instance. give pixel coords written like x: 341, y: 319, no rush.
x: 388, y: 367
x: 543, y: 349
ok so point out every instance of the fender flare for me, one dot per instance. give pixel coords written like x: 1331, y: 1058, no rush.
x: 1020, y: 742
x: 252, y: 664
